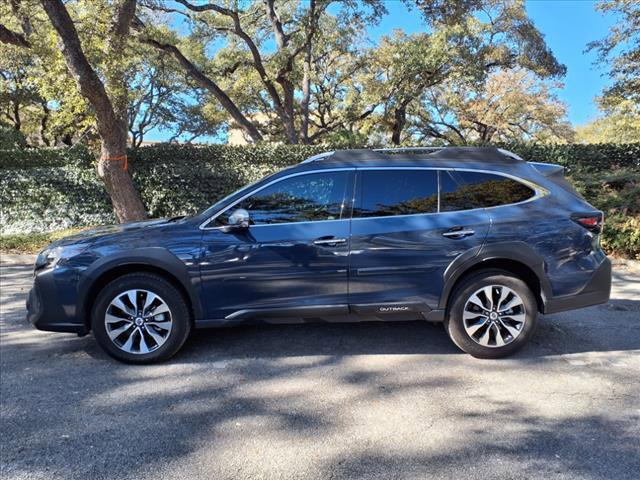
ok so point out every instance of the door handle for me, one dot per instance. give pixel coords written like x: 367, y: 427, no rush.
x: 329, y: 241
x: 458, y: 232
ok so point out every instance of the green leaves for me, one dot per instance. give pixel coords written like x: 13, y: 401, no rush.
x: 620, y: 50
x: 620, y: 123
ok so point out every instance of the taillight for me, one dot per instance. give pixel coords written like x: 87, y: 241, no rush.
x: 591, y: 221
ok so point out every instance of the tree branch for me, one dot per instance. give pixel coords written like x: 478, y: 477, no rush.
x: 258, y: 63
x: 123, y: 17
x: 206, y: 7
x: 25, y: 20
x: 282, y: 39
x: 13, y: 38
x: 90, y: 85
x: 209, y: 85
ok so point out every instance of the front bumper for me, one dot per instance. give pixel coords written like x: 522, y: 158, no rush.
x: 597, y: 291
x: 52, y: 308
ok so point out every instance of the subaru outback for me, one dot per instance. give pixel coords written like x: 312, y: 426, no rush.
x: 475, y: 238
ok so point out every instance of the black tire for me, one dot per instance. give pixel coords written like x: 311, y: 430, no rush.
x: 455, y: 324
x: 178, y: 312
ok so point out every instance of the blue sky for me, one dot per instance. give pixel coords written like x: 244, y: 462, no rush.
x: 568, y: 26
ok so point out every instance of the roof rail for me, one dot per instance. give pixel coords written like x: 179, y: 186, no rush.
x: 319, y: 156
x: 407, y: 149
x: 478, y: 153
x: 324, y: 155
x: 510, y: 154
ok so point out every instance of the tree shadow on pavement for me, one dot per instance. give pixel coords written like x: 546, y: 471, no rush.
x: 513, y: 443
x: 364, y: 400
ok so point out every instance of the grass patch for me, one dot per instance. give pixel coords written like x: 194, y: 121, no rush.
x: 33, y: 242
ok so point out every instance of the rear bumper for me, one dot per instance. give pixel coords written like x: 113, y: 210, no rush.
x: 597, y: 291
x: 45, y: 311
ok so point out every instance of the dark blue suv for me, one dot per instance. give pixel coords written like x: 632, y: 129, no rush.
x: 476, y: 238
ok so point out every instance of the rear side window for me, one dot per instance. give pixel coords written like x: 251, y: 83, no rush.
x: 397, y: 192
x: 453, y: 196
x: 480, y: 190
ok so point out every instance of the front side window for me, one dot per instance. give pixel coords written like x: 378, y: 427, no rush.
x: 303, y: 198
x: 397, y: 192
x: 482, y: 190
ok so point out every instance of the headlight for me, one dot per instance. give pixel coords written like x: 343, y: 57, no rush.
x: 50, y: 257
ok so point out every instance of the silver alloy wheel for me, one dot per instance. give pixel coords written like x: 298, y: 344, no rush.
x: 494, y: 316
x: 138, y: 321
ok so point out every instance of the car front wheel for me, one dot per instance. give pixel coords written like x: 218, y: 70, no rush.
x: 492, y: 314
x: 140, y: 318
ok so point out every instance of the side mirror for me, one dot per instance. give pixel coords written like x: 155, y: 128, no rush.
x: 238, y: 220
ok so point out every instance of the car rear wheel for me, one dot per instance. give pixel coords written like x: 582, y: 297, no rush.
x: 492, y: 314
x: 140, y: 318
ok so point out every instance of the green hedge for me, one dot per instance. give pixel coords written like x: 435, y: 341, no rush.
x: 24, y: 158
x: 591, y: 157
x: 577, y: 157
x: 11, y: 138
x: 175, y: 180
x: 50, y: 189
x: 43, y: 190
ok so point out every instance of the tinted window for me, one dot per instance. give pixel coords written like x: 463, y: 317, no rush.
x: 452, y: 196
x: 483, y: 190
x: 397, y: 192
x: 312, y: 197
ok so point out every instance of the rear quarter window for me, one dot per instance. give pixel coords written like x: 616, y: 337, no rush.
x: 481, y: 190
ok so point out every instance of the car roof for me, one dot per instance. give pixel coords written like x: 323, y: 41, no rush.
x: 452, y: 157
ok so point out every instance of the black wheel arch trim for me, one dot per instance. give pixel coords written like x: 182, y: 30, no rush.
x: 155, y: 258
x: 516, y: 251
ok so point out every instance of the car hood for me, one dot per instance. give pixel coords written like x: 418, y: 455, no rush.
x: 90, y: 235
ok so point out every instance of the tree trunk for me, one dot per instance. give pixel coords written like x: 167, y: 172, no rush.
x: 111, y: 127
x: 306, y: 97
x: 400, y: 120
x: 306, y: 78
x: 17, y: 122
x: 43, y: 123
x: 289, y: 110
x: 124, y: 196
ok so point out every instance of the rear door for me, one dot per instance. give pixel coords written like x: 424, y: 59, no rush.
x: 408, y: 225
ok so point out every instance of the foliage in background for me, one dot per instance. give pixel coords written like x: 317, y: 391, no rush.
x: 10, y: 138
x: 511, y: 105
x: 277, y: 70
x: 619, y: 52
x: 33, y: 242
x: 39, y: 98
x: 44, y: 189
x: 619, y: 124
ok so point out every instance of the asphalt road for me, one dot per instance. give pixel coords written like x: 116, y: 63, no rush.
x: 326, y: 401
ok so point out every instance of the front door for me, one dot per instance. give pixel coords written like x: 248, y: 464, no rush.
x: 292, y: 261
x: 408, y: 226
